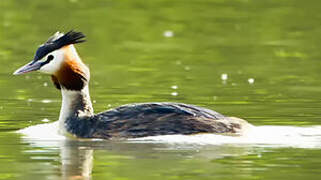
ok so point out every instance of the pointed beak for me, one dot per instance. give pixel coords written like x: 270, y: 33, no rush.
x: 32, y: 66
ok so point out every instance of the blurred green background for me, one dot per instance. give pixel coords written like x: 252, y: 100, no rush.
x: 168, y: 50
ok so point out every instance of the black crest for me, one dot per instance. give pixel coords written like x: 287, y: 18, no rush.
x: 58, y: 41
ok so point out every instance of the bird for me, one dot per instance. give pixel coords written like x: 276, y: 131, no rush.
x: 58, y: 58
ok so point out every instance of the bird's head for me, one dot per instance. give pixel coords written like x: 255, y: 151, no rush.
x: 59, y: 58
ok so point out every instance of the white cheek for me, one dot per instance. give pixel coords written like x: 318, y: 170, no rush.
x: 54, y: 65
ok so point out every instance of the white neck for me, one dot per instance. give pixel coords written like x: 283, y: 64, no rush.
x: 75, y: 104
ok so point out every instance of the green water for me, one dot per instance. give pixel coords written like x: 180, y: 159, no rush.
x: 275, y: 42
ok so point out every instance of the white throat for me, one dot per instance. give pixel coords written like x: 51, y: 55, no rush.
x: 75, y: 104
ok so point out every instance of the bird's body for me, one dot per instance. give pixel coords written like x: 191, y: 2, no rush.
x: 59, y: 58
x: 150, y: 119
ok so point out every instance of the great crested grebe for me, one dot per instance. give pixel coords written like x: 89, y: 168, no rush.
x: 59, y: 58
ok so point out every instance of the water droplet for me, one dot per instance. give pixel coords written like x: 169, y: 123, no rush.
x: 187, y: 68
x: 168, y: 33
x: 45, y: 84
x: 251, y: 80
x: 174, y: 87
x: 94, y: 101
x: 174, y: 93
x: 45, y: 120
x: 224, y: 77
x: 46, y: 101
x: 259, y: 155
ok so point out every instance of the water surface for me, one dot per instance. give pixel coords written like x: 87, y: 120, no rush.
x: 169, y: 50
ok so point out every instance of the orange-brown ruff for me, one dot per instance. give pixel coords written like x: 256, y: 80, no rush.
x: 70, y: 75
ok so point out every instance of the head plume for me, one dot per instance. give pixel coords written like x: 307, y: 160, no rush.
x: 71, y: 37
x: 57, y: 41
